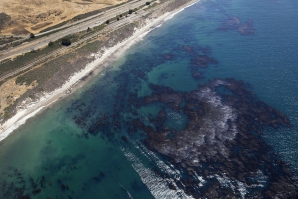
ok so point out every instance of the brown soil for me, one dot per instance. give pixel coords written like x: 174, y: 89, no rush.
x: 20, y: 31
x: 18, y: 17
x: 52, y: 74
x: 41, y: 25
x: 10, y: 92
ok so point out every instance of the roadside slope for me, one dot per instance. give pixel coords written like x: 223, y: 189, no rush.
x: 20, y: 17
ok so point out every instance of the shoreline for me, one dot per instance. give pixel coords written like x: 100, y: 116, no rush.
x: 110, y: 54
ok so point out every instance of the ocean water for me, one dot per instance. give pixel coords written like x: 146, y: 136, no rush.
x: 205, y: 106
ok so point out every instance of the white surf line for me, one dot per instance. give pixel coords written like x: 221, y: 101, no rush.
x: 223, y: 180
x: 151, y: 156
x: 236, y: 185
x: 157, y: 185
x: 19, y: 123
x: 129, y: 195
x: 25, y: 113
x: 32, y: 109
x: 170, y: 170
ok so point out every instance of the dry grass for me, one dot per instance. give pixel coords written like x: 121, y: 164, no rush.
x: 41, y: 25
x: 10, y: 92
x: 23, y: 16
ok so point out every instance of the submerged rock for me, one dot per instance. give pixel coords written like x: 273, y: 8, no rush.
x: 234, y: 23
x: 221, y: 142
x: 219, y: 149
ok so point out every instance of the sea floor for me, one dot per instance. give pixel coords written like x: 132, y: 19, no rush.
x: 204, y: 106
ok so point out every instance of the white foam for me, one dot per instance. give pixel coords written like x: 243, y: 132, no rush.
x: 200, y: 178
x: 31, y: 109
x: 241, y: 187
x: 174, y: 173
x: 173, y: 14
x: 19, y: 123
x: 225, y: 182
x: 155, y: 184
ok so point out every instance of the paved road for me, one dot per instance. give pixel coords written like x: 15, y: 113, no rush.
x: 102, y: 17
x: 113, y: 26
x: 86, y: 19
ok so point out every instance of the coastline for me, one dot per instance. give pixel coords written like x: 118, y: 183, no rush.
x: 30, y: 109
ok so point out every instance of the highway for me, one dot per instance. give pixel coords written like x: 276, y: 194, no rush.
x: 113, y: 26
x: 86, y: 19
x: 70, y: 29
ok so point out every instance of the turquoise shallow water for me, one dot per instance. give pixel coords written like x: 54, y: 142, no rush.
x: 92, y: 144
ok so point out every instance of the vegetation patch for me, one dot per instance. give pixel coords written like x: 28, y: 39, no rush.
x: 43, y: 72
x: 39, y: 26
x: 10, y: 92
x: 46, y: 71
x: 4, y: 18
x: 51, y: 75
x: 7, y: 66
x: 81, y: 16
x: 8, y: 39
x: 20, y: 31
x: 55, y: 26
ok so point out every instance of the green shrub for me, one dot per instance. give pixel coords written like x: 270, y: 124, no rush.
x: 51, y: 43
x: 65, y: 41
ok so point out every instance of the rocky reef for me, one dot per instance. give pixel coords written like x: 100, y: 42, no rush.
x: 220, y: 150
x: 221, y: 142
x: 234, y: 23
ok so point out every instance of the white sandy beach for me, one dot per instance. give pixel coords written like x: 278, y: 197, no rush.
x: 32, y: 108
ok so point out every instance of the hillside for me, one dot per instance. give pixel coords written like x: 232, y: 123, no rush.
x: 19, y: 17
